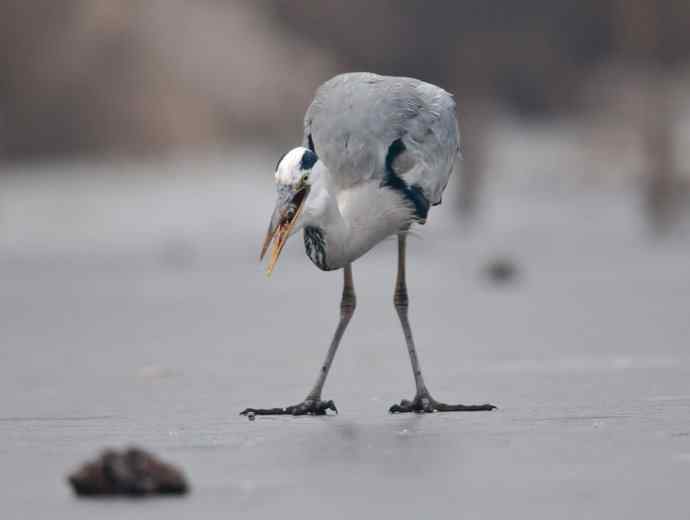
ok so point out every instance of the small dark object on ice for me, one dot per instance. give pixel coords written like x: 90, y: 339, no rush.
x: 132, y: 472
x: 251, y: 416
x: 501, y: 270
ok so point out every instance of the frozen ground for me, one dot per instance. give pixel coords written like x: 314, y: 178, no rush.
x: 132, y: 310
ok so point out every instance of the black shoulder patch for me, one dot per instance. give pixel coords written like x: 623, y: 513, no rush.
x: 396, y: 148
x: 308, y: 161
x: 315, y: 247
x: 412, y: 194
x: 281, y: 158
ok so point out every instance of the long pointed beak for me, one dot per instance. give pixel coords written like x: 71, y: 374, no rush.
x: 286, y: 213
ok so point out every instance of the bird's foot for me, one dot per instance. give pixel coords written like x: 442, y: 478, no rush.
x: 424, y: 403
x: 306, y: 407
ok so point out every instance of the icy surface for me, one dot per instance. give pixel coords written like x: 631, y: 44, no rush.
x: 133, y: 310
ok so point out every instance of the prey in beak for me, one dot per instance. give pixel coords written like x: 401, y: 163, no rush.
x: 286, y: 213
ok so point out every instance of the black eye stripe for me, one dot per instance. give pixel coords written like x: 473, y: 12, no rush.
x: 308, y: 161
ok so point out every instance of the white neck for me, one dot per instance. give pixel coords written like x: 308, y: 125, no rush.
x: 350, y: 222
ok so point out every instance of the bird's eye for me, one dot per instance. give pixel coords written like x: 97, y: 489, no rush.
x: 305, y: 178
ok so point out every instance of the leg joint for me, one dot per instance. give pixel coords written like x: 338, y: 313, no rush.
x: 348, y: 304
x: 400, y: 300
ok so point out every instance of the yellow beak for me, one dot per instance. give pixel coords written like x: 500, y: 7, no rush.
x: 288, y: 210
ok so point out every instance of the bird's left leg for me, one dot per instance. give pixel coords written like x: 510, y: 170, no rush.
x: 313, y: 405
x: 422, y: 402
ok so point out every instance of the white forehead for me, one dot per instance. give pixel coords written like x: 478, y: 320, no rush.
x: 288, y: 170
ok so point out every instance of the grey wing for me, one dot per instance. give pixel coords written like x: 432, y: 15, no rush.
x: 356, y: 117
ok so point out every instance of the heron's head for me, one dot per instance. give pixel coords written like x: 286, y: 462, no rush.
x: 294, y: 180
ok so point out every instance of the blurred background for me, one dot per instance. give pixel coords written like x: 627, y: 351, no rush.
x: 138, y: 141
x: 149, y: 130
x: 588, y: 89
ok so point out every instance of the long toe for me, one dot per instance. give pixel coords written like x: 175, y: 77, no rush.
x: 404, y: 406
x: 443, y: 407
x: 426, y: 404
x: 307, y: 407
x: 264, y: 411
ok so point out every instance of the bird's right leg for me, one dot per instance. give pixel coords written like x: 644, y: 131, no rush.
x: 312, y: 404
x: 423, y: 401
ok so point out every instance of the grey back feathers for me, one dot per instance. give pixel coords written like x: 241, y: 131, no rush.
x: 356, y: 118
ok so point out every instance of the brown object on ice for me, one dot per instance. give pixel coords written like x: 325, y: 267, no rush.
x: 132, y: 472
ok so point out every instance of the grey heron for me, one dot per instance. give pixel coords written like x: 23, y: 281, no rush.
x: 377, y: 154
